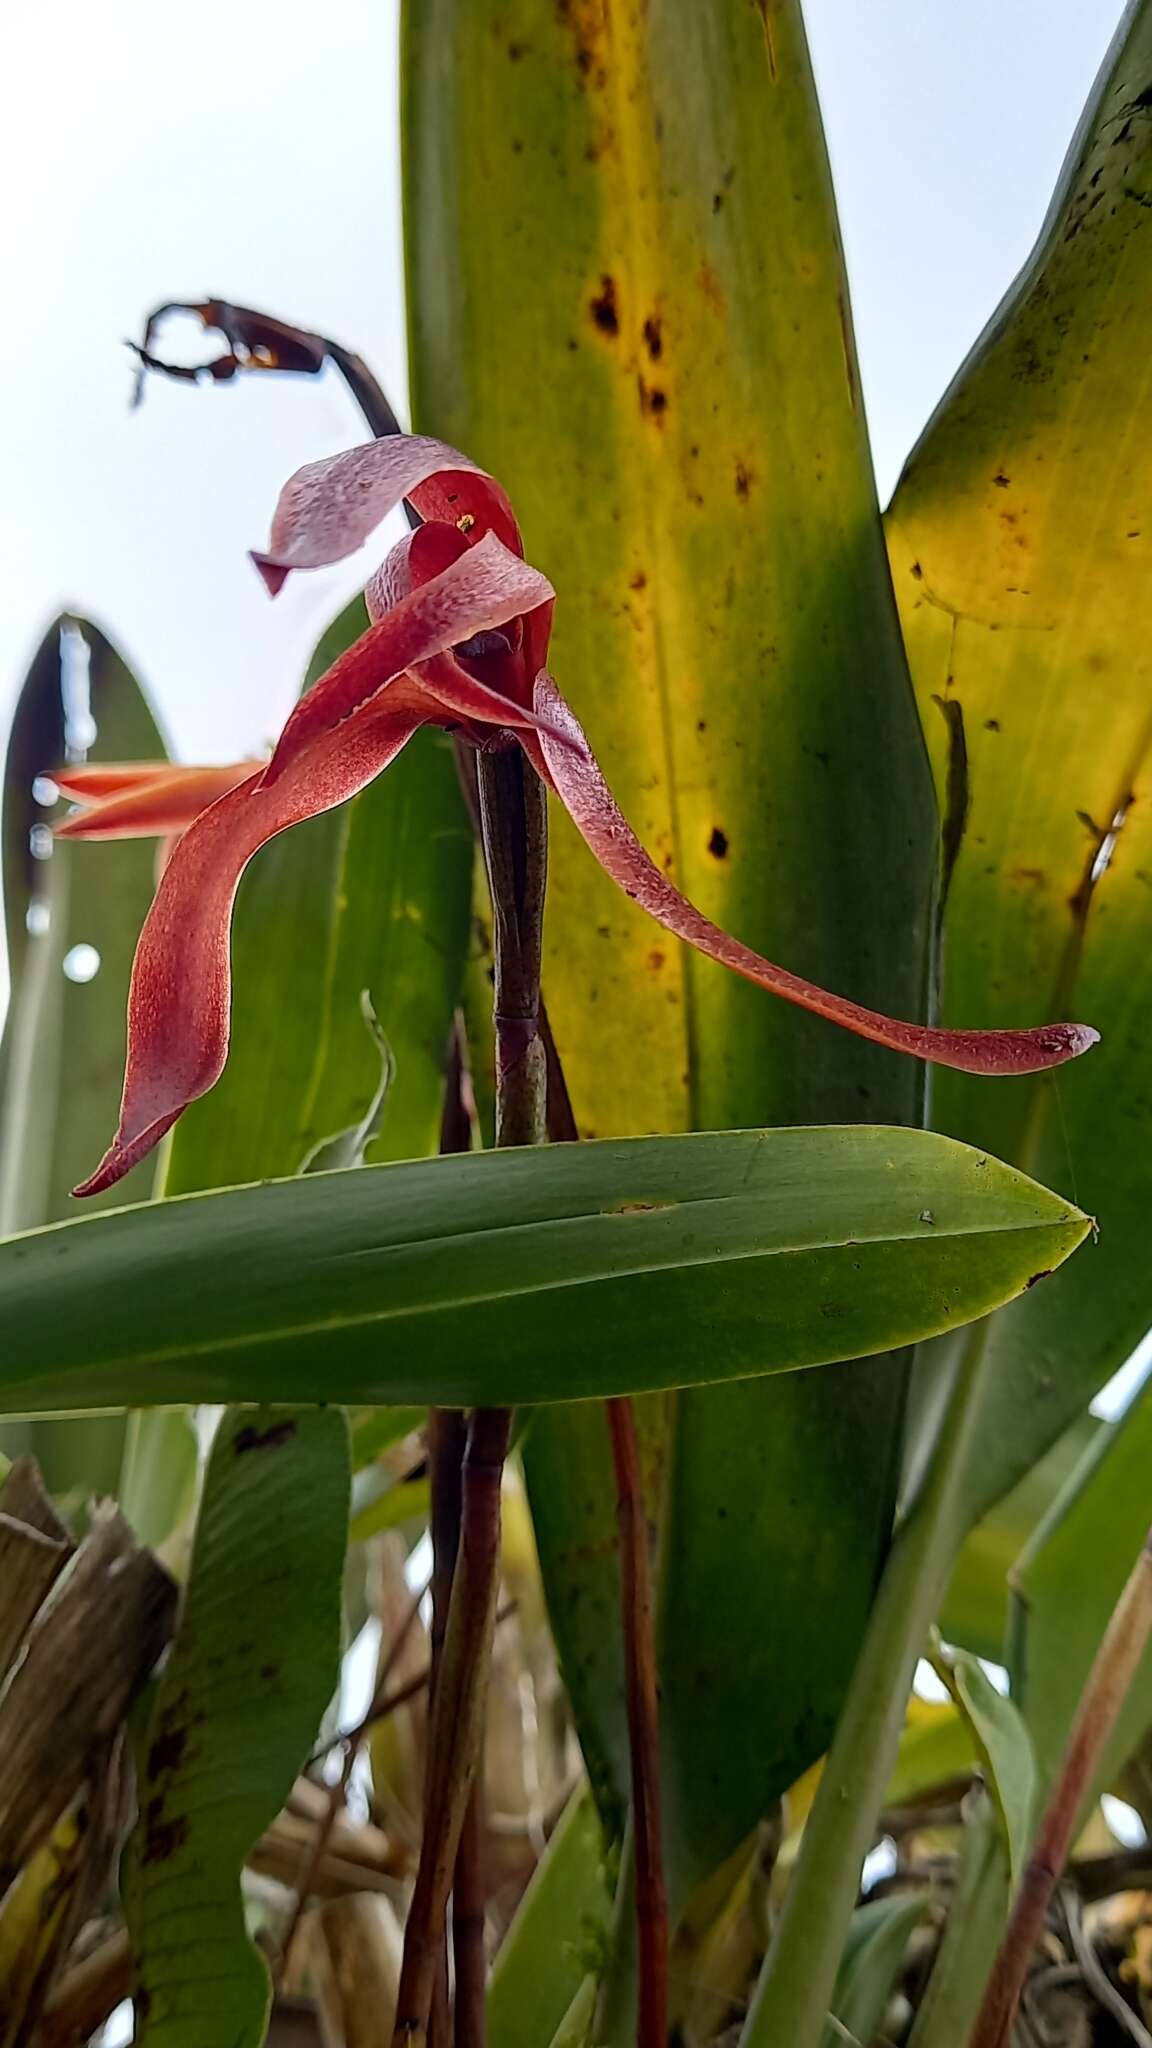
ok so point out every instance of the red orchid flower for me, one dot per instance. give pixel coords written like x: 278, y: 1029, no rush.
x: 459, y: 638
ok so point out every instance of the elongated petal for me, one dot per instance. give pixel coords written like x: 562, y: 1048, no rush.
x: 577, y: 780
x: 179, y: 1003
x: 329, y: 508
x: 153, y: 805
x: 487, y: 586
x: 84, y: 780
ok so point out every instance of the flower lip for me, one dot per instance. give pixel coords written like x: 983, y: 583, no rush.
x: 482, y: 645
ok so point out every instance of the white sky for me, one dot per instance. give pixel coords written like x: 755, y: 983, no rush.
x: 151, y: 152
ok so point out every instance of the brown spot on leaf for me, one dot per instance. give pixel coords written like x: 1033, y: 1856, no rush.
x: 653, y: 337
x: 603, y: 307
x: 708, y: 280
x: 718, y: 844
x: 653, y: 401
x: 639, y: 581
x: 1045, y: 1273
x: 167, y: 1751
x: 270, y: 1439
x: 656, y: 961
x: 991, y: 725
x: 162, y: 1838
x: 744, y: 480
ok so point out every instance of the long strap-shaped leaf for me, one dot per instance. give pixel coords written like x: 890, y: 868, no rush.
x: 1021, y: 545
x: 498, y: 1278
x: 627, y: 295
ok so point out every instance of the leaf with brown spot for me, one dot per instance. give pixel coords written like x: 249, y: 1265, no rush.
x: 1046, y: 912
x: 235, y: 1715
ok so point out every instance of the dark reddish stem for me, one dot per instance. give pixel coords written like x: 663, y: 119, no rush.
x: 469, y: 1897
x: 1105, y: 1691
x: 643, y: 1727
x: 457, y: 1721
x: 447, y: 1436
x: 514, y: 822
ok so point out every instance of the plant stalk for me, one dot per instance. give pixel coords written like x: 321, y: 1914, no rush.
x: 1125, y: 1640
x: 643, y: 1729
x: 456, y: 1728
x: 514, y: 820
x: 468, y: 1903
x: 794, y: 1994
x: 447, y: 1437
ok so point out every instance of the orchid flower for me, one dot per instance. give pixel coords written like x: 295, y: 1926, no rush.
x: 459, y: 638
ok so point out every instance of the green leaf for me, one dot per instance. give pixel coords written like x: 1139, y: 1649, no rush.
x: 61, y: 1062
x: 1021, y: 553
x: 396, y: 1505
x: 1065, y: 1586
x: 935, y: 1748
x: 1005, y: 1748
x: 976, y: 1607
x: 782, y: 1501
x: 560, y: 1274
x: 976, y: 1920
x: 157, y: 1485
x: 64, y: 1039
x: 553, y: 1940
x: 873, y: 1953
x: 674, y: 408
x: 571, y: 1493
x: 369, y: 901
x: 377, y: 1429
x: 235, y: 1712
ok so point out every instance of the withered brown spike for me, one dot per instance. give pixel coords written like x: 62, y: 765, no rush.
x: 256, y: 341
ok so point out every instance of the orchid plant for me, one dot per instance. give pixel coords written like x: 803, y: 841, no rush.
x: 459, y: 638
x: 799, y: 1401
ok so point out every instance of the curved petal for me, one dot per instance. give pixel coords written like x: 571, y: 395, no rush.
x: 329, y: 508
x: 84, y: 780
x: 487, y: 586
x: 180, y: 999
x: 577, y: 780
x: 152, y: 805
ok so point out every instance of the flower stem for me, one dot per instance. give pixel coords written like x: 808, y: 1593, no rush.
x: 514, y: 823
x: 793, y: 1996
x: 468, y: 1903
x: 447, y: 1438
x: 643, y: 1729
x: 514, y: 827
x: 1105, y: 1690
x: 457, y: 1722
